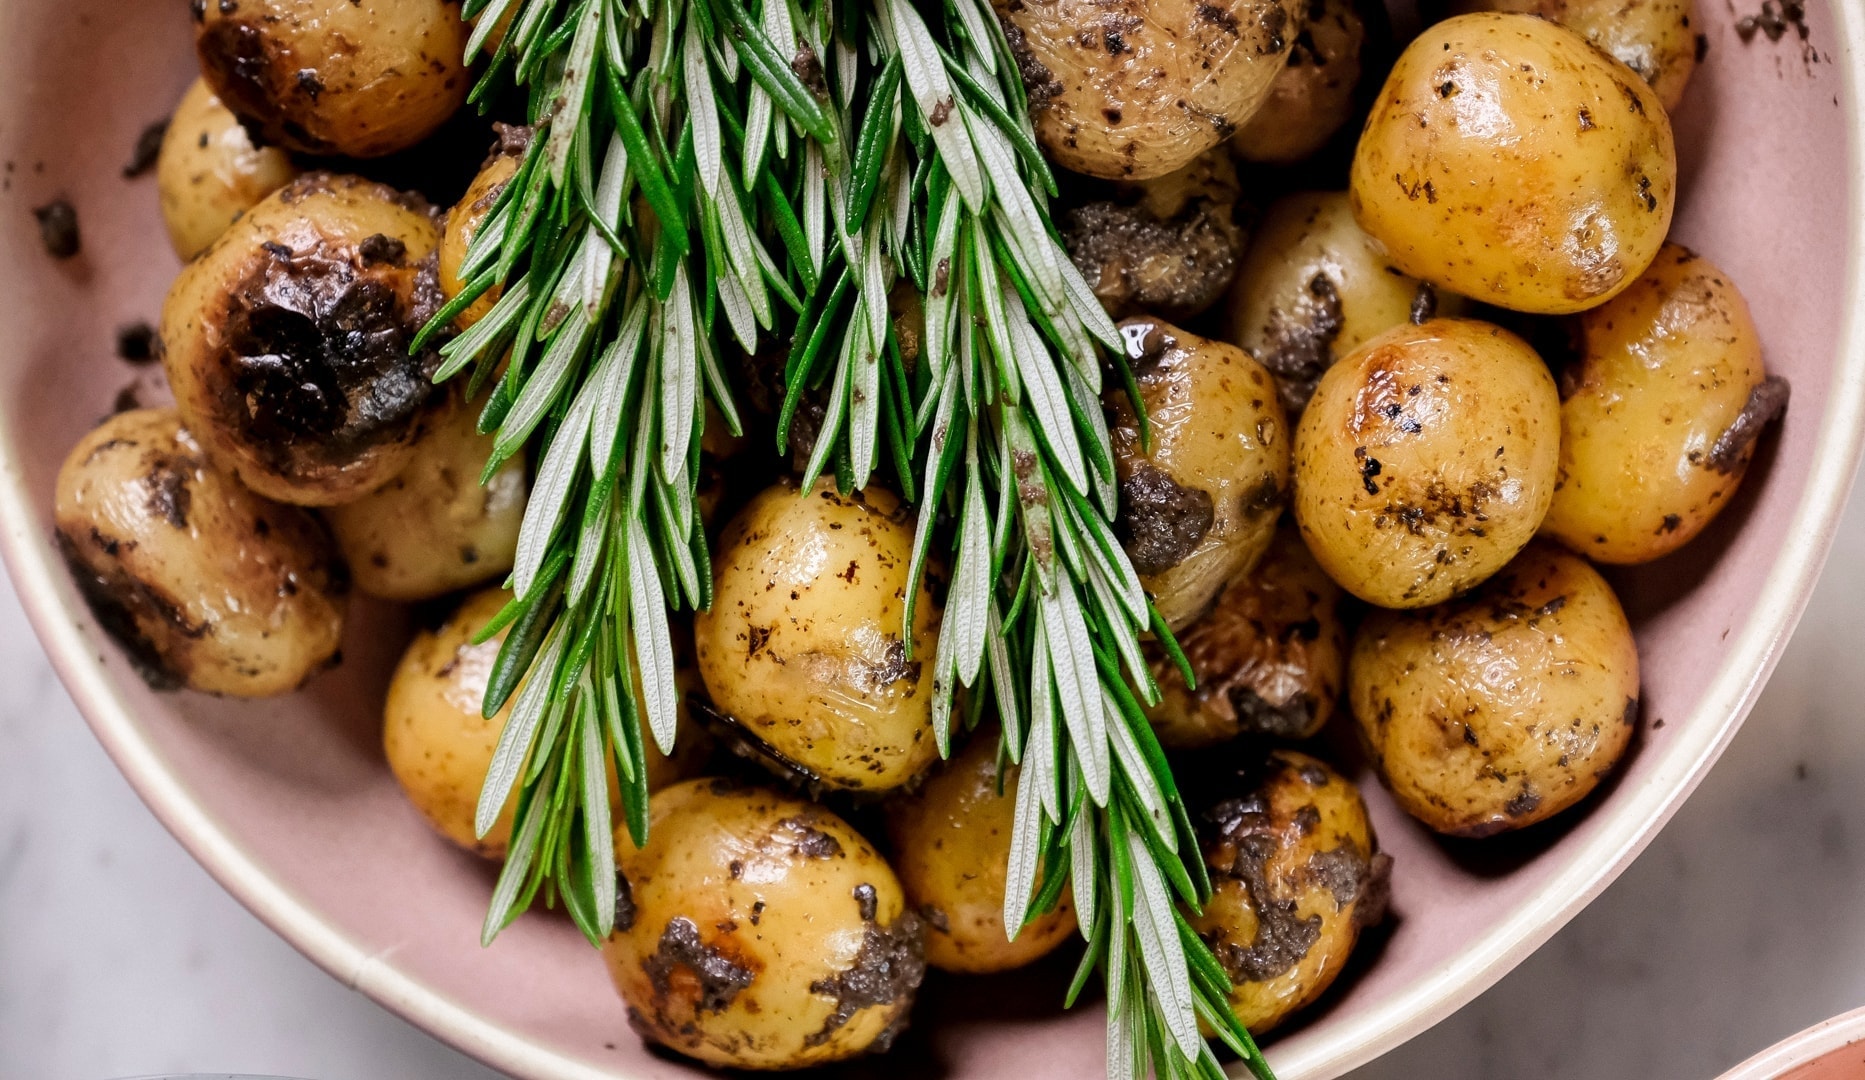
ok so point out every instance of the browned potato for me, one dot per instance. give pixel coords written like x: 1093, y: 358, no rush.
x: 1652, y: 37
x: 951, y: 842
x: 206, y: 584
x: 209, y: 172
x: 1199, y: 508
x: 1269, y: 658
x: 757, y: 931
x: 1505, y: 707
x: 286, y: 343
x: 1137, y: 88
x: 1510, y: 161
x: 1296, y: 874
x: 336, y: 76
x: 1426, y: 460
x: 1168, y: 246
x: 470, y: 212
x: 1313, y: 96
x: 1660, y: 413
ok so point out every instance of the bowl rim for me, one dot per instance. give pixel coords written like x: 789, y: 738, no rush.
x: 1784, y: 594
x: 1803, y: 1048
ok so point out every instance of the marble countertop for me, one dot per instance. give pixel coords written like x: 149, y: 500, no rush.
x: 1740, y: 925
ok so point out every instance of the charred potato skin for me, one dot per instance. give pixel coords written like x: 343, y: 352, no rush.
x: 464, y: 220
x: 1270, y: 658
x: 1504, y: 708
x: 1199, y: 507
x: 1314, y: 95
x: 1511, y: 162
x: 1296, y: 875
x: 951, y: 845
x: 1655, y: 38
x: 335, y: 76
x: 1135, y: 89
x: 1426, y: 460
x: 209, y: 173
x: 208, y: 585
x: 260, y: 334
x: 1660, y: 413
x: 1167, y: 247
x: 757, y: 931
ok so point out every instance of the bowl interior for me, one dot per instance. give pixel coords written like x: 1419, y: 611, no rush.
x: 288, y: 801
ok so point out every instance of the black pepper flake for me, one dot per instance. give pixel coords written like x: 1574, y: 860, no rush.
x: 136, y: 343
x: 148, y: 150
x: 58, y: 229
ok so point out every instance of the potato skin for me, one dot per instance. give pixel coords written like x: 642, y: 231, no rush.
x: 1652, y: 37
x: 1200, y: 507
x: 1503, y: 708
x: 1426, y: 460
x: 951, y: 846
x: 1660, y: 412
x: 203, y: 581
x: 802, y: 647
x: 1133, y: 89
x: 757, y: 931
x: 1269, y: 657
x: 261, y: 336
x: 1296, y: 874
x: 336, y: 76
x: 470, y: 212
x: 1510, y: 161
x: 1313, y: 96
x: 209, y: 172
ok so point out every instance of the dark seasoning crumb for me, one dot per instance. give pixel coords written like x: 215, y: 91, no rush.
x: 148, y: 149
x: 58, y: 229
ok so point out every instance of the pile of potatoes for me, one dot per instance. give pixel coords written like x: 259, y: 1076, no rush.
x: 1350, y: 479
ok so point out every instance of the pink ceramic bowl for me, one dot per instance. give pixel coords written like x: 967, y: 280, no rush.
x: 1834, y: 1050
x: 288, y: 804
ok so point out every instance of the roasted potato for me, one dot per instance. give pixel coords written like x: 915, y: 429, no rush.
x: 1269, y: 657
x: 1660, y: 412
x: 1652, y: 37
x: 206, y: 584
x: 470, y: 212
x: 1200, y: 506
x: 1313, y: 96
x: 1167, y: 247
x: 286, y: 342
x: 951, y: 843
x: 1426, y: 460
x: 209, y: 173
x: 1132, y: 89
x: 1502, y: 708
x: 336, y: 76
x: 802, y: 645
x: 1510, y: 161
x: 757, y: 931
x: 1296, y: 874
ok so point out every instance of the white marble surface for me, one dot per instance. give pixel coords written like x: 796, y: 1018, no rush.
x: 1743, y: 923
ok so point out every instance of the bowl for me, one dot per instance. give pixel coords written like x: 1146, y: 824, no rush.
x: 1833, y: 1050
x: 288, y: 804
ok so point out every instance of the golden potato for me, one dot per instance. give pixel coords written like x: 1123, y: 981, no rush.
x: 951, y: 843
x: 1296, y: 874
x: 1660, y: 412
x: 1269, y: 657
x: 1510, y: 161
x: 1505, y: 707
x: 470, y: 212
x: 1137, y: 88
x: 286, y: 342
x: 209, y: 172
x: 1313, y: 96
x: 802, y: 646
x: 336, y: 76
x: 1199, y: 508
x: 1426, y: 460
x: 757, y: 931
x: 1652, y: 37
x: 206, y: 584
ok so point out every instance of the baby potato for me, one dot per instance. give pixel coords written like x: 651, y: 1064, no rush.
x: 434, y: 528
x: 1133, y: 89
x: 1660, y: 412
x: 757, y: 931
x: 207, y: 585
x: 1426, y: 460
x: 1296, y: 874
x: 1199, y: 507
x: 209, y: 172
x: 286, y: 342
x: 1313, y: 96
x: 1510, y: 161
x: 336, y: 76
x: 801, y: 647
x: 951, y: 842
x: 1269, y: 657
x: 1313, y: 287
x: 470, y: 212
x: 1167, y: 246
x: 1652, y: 37
x: 1502, y: 708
